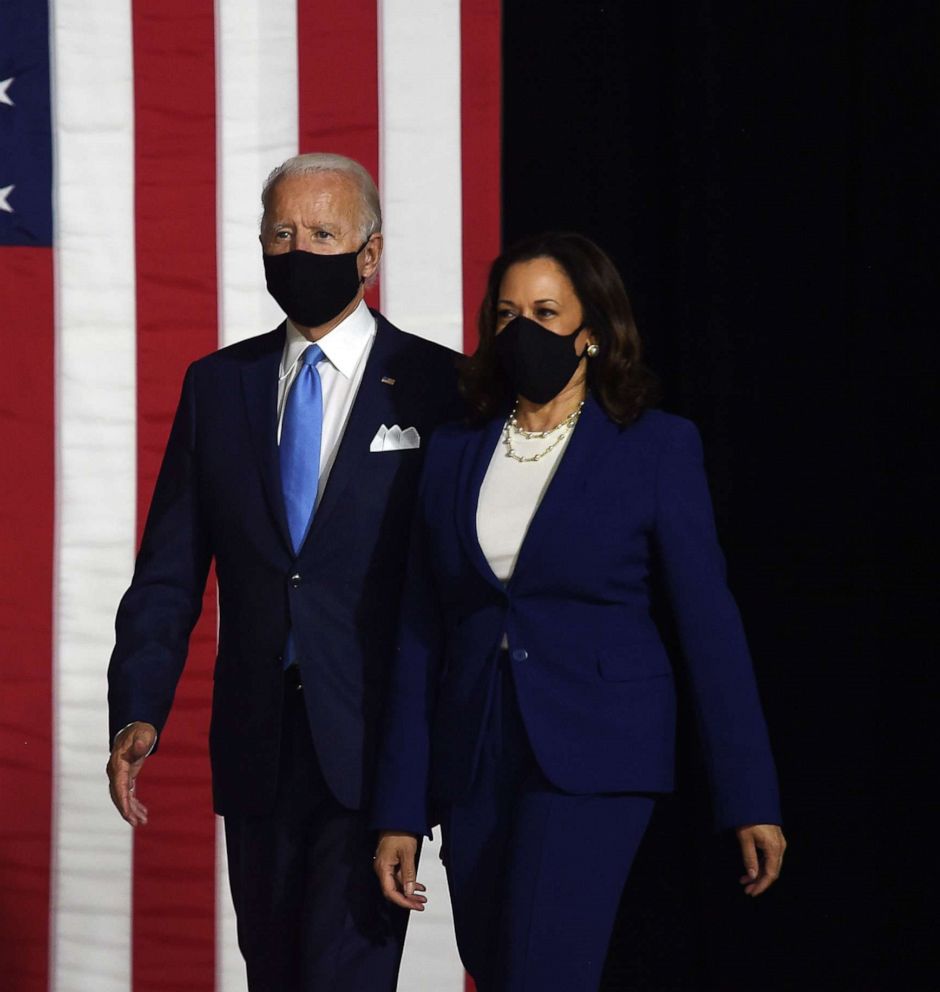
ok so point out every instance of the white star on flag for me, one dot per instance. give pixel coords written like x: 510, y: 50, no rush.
x: 5, y: 191
x: 4, y: 86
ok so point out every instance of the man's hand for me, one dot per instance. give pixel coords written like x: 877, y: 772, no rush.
x: 395, y: 859
x: 131, y: 747
x: 762, y: 847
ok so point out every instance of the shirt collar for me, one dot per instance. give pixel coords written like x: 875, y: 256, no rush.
x: 343, y: 347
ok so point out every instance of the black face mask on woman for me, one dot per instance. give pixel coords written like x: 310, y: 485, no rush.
x: 310, y: 288
x: 537, y: 363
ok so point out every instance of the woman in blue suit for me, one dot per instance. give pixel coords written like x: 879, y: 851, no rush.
x: 532, y: 706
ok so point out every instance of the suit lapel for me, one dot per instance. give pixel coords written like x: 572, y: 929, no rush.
x: 473, y: 465
x: 259, y: 388
x: 562, y: 503
x: 373, y: 405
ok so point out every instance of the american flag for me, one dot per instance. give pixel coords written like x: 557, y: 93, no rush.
x: 134, y: 138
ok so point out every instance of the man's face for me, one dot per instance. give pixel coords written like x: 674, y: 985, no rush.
x: 318, y: 212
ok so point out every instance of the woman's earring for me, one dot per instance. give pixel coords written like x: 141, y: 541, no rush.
x: 592, y: 350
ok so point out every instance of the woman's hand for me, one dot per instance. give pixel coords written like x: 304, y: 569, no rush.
x: 395, y: 859
x: 762, y: 847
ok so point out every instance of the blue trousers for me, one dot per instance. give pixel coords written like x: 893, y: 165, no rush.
x: 311, y: 917
x: 535, y: 874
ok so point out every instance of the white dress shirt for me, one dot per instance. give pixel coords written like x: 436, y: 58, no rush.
x: 345, y: 352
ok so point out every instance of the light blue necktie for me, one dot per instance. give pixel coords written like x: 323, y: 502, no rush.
x: 300, y: 445
x: 300, y: 456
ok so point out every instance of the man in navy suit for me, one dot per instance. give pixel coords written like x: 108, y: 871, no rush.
x: 293, y: 463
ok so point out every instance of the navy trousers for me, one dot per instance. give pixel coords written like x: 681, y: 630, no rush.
x: 311, y: 917
x: 535, y: 874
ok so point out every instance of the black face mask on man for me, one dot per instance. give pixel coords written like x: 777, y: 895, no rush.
x: 537, y: 363
x: 310, y: 288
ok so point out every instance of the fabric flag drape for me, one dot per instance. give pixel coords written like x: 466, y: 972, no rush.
x: 134, y: 139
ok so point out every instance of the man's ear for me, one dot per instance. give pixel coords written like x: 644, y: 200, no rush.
x: 371, y: 256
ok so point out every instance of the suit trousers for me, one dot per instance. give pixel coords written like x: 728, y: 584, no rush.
x: 311, y: 917
x: 535, y: 874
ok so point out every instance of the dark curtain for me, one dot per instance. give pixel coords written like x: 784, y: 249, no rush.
x: 764, y: 175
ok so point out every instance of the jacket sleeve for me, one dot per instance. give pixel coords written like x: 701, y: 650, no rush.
x: 161, y: 607
x: 400, y: 800
x: 724, y: 693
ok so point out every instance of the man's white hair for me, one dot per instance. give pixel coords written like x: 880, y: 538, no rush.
x: 371, y: 209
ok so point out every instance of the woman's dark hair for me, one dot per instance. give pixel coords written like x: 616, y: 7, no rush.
x: 617, y: 377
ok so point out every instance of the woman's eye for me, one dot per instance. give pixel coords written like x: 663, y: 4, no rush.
x: 504, y: 314
x: 545, y: 313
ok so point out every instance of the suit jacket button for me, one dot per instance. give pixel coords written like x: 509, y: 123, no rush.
x: 295, y: 580
x: 520, y: 654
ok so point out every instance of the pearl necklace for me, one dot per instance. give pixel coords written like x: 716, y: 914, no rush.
x: 512, y: 427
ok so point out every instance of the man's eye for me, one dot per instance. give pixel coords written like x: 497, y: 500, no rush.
x: 281, y: 235
x: 323, y: 235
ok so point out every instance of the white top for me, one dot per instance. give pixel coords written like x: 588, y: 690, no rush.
x: 345, y: 352
x: 510, y: 495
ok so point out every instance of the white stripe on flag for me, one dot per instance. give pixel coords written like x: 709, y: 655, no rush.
x: 256, y: 50
x: 230, y: 975
x: 419, y: 82
x: 430, y: 962
x: 422, y: 292
x: 256, y: 62
x: 95, y: 491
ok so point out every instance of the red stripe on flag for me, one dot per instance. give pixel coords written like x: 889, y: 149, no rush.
x: 480, y: 137
x: 175, y: 133
x: 338, y: 80
x: 480, y: 144
x: 27, y: 506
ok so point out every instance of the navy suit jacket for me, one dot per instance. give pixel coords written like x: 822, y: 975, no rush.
x: 219, y: 496
x: 594, y: 682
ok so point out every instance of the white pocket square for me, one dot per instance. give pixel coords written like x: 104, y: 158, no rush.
x: 395, y: 439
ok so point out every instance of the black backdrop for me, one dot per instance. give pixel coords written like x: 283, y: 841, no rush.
x: 762, y: 173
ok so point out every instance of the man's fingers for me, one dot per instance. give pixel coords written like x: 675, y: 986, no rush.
x: 135, y: 743
x: 119, y: 780
x: 138, y: 748
x: 131, y: 748
x: 139, y: 811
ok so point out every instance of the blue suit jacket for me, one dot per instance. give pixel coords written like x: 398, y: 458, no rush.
x: 219, y: 495
x: 594, y: 683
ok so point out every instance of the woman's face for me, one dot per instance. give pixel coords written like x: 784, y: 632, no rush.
x: 540, y: 290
